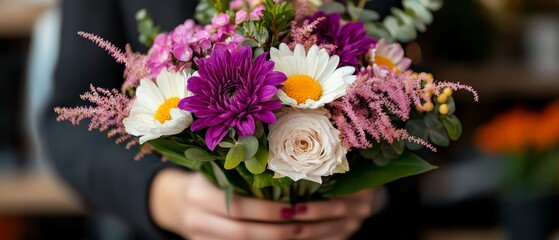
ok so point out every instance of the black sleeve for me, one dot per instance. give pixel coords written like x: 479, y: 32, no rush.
x: 103, y: 173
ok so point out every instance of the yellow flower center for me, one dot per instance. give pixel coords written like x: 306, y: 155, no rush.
x: 384, y: 61
x: 302, y: 87
x: 163, y: 113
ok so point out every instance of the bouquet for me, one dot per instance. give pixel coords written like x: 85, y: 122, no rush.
x: 285, y: 100
x: 528, y: 144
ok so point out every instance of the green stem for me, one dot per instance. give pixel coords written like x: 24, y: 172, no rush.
x: 257, y: 192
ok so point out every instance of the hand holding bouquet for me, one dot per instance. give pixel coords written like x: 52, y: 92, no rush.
x: 279, y: 100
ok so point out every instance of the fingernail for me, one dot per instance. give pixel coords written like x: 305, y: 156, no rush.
x: 287, y: 212
x: 297, y: 230
x: 301, y: 208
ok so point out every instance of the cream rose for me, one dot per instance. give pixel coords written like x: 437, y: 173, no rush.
x: 305, y: 145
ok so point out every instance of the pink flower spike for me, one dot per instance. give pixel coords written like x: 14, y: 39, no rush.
x: 236, y: 4
x: 220, y: 20
x: 183, y: 53
x: 109, y: 108
x: 257, y: 12
x: 241, y: 16
x: 108, y: 46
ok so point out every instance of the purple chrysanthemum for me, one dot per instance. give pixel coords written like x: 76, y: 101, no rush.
x: 351, y: 38
x: 232, y: 91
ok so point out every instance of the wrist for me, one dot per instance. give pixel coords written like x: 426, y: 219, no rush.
x: 167, y: 188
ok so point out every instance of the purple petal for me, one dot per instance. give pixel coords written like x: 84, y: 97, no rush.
x: 267, y: 92
x: 214, y: 135
x: 246, y: 126
x: 265, y: 117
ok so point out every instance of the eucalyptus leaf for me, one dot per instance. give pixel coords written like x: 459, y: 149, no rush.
x: 234, y: 157
x: 250, y: 144
x: 368, y: 15
x: 403, y: 18
x: 226, y: 144
x: 231, y: 133
x: 391, y: 24
x: 332, y: 7
x: 435, y: 5
x: 364, y: 174
x: 254, y: 166
x: 406, y: 33
x: 222, y: 180
x: 257, y: 164
x: 195, y: 154
x: 453, y: 126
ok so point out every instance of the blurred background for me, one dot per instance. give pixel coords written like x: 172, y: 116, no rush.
x: 499, y: 181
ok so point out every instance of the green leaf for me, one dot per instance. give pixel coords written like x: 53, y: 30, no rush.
x: 257, y: 164
x: 250, y: 42
x: 266, y: 179
x: 222, y: 180
x: 388, y: 152
x: 223, y: 183
x: 398, y: 147
x: 250, y: 144
x: 370, y: 153
x: 453, y: 126
x: 254, y: 166
x: 231, y: 133
x: 416, y: 127
x: 234, y: 157
x: 368, y: 15
x: 174, y: 151
x: 432, y: 121
x: 228, y: 198
x: 225, y: 144
x: 332, y: 7
x: 451, y: 106
x: 195, y: 154
x: 439, y: 137
x: 365, y: 175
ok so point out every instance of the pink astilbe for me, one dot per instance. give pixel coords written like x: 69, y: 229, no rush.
x: 303, y: 35
x: 110, y: 108
x: 135, y: 68
x: 145, y: 149
x: 361, y: 115
x: 303, y: 9
x: 135, y: 63
x: 457, y: 86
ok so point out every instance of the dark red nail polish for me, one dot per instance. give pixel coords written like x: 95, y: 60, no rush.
x: 301, y: 209
x: 297, y: 230
x: 287, y: 212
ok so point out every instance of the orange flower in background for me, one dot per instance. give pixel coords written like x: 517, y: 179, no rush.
x: 519, y: 130
x: 546, y: 132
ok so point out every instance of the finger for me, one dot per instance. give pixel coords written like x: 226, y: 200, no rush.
x: 359, y: 204
x: 206, y: 196
x: 339, y: 228
x: 210, y: 226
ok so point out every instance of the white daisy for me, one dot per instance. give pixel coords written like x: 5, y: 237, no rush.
x: 313, y: 78
x: 155, y: 112
x: 388, y: 57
